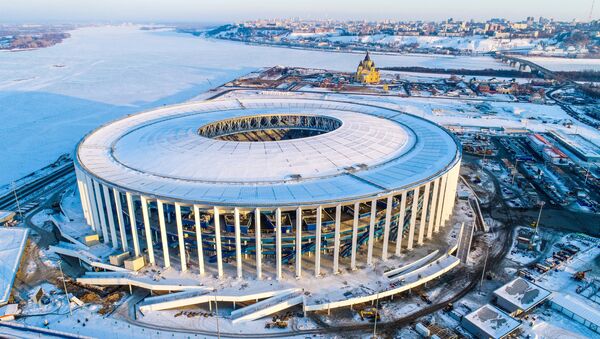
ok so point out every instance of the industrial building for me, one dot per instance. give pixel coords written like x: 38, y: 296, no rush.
x: 234, y: 185
x: 489, y: 322
x: 583, y: 148
x: 546, y: 150
x: 519, y: 296
x: 581, y: 312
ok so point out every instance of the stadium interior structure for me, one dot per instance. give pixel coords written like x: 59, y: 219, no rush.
x: 305, y: 187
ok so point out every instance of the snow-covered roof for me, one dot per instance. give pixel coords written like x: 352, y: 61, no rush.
x: 522, y: 293
x: 12, y: 244
x: 160, y: 153
x: 578, y: 306
x: 492, y: 321
x: 585, y: 147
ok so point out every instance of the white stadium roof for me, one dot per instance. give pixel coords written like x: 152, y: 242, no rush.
x: 161, y: 154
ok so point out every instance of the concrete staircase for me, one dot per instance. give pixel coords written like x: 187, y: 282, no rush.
x: 263, y: 308
x: 174, y: 300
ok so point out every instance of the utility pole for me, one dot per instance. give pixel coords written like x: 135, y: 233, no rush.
x: 587, y: 173
x: 515, y: 172
x: 217, y: 315
x: 591, y: 11
x: 17, y: 200
x: 537, y: 223
x: 487, y: 252
x: 376, y: 315
x: 65, y: 286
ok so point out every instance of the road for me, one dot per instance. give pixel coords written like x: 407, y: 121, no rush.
x: 23, y: 192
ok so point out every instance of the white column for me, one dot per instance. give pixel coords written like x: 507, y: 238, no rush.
x: 371, y: 232
x: 440, y: 207
x: 180, y: 237
x: 163, y: 233
x: 278, y: 256
x: 132, y: 224
x: 452, y: 192
x: 93, y: 206
x: 85, y: 203
x: 318, y: 242
x: 101, y: 214
x: 120, y: 220
x: 238, y: 242
x: 199, y: 244
x: 424, y: 208
x: 218, y: 242
x: 83, y: 198
x: 258, y: 244
x: 354, y: 236
x: 298, y: 242
x: 447, y: 194
x: 386, y: 227
x: 401, y: 223
x: 147, y: 230
x: 433, y: 208
x: 413, y: 219
x: 110, y: 216
x: 336, y: 239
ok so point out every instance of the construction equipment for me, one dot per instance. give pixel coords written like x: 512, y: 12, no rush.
x: 579, y: 276
x: 277, y: 324
x: 370, y: 313
x: 425, y: 298
x: 449, y: 307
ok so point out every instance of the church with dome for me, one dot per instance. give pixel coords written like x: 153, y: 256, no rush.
x: 366, y: 72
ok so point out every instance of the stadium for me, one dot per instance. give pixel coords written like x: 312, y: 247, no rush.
x: 268, y: 188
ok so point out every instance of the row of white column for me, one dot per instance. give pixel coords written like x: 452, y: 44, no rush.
x: 437, y: 202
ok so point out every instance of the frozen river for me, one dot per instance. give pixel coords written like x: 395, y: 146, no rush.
x: 50, y: 98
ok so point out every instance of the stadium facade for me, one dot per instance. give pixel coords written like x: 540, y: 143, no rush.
x: 218, y: 182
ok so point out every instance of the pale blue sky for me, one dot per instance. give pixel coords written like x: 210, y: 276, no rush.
x: 237, y: 10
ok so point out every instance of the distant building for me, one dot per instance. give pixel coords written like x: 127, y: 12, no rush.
x: 366, y: 72
x: 546, y: 149
x: 583, y: 148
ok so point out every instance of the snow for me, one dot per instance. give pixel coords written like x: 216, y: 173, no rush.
x: 113, y: 71
x: 535, y: 117
x: 479, y: 44
x: 578, y: 306
x: 492, y: 320
x: 12, y: 245
x: 522, y: 294
x: 557, y: 328
x: 189, y: 167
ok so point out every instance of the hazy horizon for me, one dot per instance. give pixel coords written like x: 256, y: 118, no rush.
x: 163, y: 11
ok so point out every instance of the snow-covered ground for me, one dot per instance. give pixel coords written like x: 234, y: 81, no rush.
x: 460, y: 112
x: 566, y: 64
x: 479, y: 44
x: 51, y: 97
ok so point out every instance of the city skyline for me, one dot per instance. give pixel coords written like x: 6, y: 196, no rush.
x: 236, y: 10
